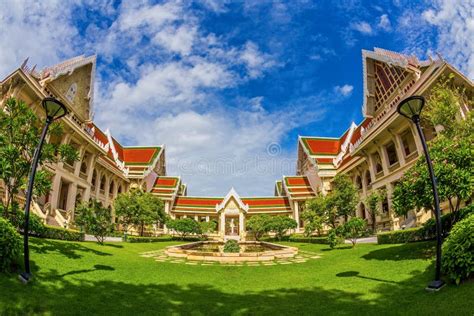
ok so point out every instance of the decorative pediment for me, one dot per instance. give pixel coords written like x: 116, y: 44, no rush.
x: 232, y: 201
x: 385, y: 74
x: 74, y: 81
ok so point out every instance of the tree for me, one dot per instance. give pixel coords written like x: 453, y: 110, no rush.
x: 343, y: 197
x: 184, y: 226
x: 20, y: 132
x: 94, y: 219
x: 207, y: 227
x: 452, y: 153
x: 280, y: 224
x: 353, y: 229
x: 138, y: 208
x: 259, y: 225
x: 316, y: 213
x: 372, y: 203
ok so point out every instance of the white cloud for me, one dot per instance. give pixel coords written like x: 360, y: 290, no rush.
x: 454, y: 20
x: 178, y: 40
x: 345, y: 90
x: 362, y: 27
x: 384, y: 23
x: 27, y: 31
x: 255, y: 61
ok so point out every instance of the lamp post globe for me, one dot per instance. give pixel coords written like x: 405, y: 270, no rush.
x: 411, y: 108
x: 54, y: 108
x: 54, y: 111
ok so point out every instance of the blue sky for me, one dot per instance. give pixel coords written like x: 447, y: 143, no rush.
x: 229, y: 85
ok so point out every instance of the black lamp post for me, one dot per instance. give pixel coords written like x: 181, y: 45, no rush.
x: 54, y: 110
x: 411, y: 108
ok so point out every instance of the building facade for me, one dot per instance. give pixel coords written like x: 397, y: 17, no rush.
x: 374, y: 154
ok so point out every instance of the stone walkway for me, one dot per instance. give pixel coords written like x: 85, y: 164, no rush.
x: 301, y: 257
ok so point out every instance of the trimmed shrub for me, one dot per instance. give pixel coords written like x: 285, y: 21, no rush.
x: 458, y: 251
x: 53, y: 232
x: 311, y: 240
x: 332, y: 238
x: 231, y: 246
x: 136, y: 239
x: 36, y: 226
x: 10, y: 245
x: 447, y: 221
x: 401, y: 236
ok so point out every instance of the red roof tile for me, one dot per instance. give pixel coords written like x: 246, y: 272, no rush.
x: 140, y: 155
x: 322, y: 146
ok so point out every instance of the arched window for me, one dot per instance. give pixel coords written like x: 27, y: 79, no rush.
x: 391, y: 153
x: 362, y: 211
x: 119, y: 189
x: 71, y: 92
x: 111, y: 187
x: 94, y: 178
x: 368, y: 178
x: 84, y: 167
x: 359, y: 182
x: 102, y: 183
x: 377, y: 163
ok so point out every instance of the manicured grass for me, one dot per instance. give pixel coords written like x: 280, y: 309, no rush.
x: 85, y: 278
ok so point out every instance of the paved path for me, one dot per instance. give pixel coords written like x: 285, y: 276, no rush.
x: 367, y: 240
x: 110, y: 239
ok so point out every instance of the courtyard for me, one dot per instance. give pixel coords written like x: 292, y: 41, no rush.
x: 117, y: 278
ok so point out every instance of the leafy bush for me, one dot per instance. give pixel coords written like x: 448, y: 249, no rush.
x: 259, y: 225
x: 280, y: 224
x: 184, y: 226
x: 136, y: 239
x: 53, y: 232
x: 311, y: 240
x: 458, y: 251
x: 207, y: 227
x: 355, y: 228
x: 164, y: 238
x: 10, y: 245
x: 332, y: 238
x: 36, y: 226
x: 231, y: 246
x: 94, y: 219
x: 401, y: 236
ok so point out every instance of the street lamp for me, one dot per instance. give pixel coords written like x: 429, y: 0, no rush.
x: 54, y: 110
x: 411, y: 108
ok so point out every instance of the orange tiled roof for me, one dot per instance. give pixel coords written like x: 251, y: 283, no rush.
x: 299, y: 187
x: 166, y: 188
x: 140, y: 155
x: 322, y: 146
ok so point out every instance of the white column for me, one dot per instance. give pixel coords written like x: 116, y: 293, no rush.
x: 207, y: 218
x: 397, y: 140
x: 222, y: 226
x: 241, y: 225
x: 296, y: 215
x: 55, y: 192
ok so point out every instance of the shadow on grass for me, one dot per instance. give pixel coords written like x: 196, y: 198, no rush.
x: 68, y: 249
x: 410, y: 251
x: 97, y: 267
x: 52, y: 294
x: 350, y: 274
x: 113, y: 245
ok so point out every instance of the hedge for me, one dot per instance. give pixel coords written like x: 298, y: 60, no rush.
x: 137, y: 239
x: 311, y: 240
x: 53, y: 232
x: 401, y: 236
x: 427, y: 231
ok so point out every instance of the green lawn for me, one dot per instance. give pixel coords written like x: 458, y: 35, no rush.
x: 85, y: 278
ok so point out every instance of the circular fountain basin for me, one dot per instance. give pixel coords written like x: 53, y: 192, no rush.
x: 214, y: 251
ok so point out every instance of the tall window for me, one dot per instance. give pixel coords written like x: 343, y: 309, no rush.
x: 377, y: 163
x: 94, y: 178
x: 102, y: 183
x: 84, y: 167
x: 391, y: 153
x: 408, y: 142
x: 368, y: 179
x: 359, y: 182
x: 111, y: 187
